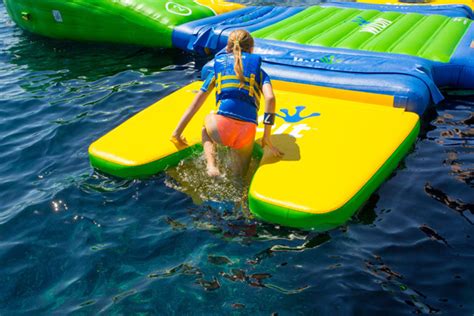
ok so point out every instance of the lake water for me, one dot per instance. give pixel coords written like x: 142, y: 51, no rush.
x: 73, y: 241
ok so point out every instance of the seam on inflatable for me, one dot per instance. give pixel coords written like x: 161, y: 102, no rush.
x: 401, y: 24
x: 370, y: 38
x: 310, y: 15
x: 269, y: 29
x: 348, y: 35
x: 381, y: 36
x: 317, y: 19
x: 392, y: 48
x: 429, y: 40
x: 340, y: 20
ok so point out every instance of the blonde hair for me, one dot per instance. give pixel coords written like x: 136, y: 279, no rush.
x: 239, y: 41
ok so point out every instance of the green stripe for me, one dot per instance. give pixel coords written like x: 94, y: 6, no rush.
x: 342, y: 31
x: 318, y: 27
x: 433, y: 37
x: 390, y: 36
x: 443, y: 43
x: 358, y: 39
x: 146, y: 170
x: 288, y: 217
x: 296, y: 22
x: 419, y: 35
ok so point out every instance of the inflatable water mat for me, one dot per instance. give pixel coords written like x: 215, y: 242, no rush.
x: 304, y: 25
x: 339, y: 146
x: 139, y: 22
x: 408, y: 52
x: 432, y: 37
x: 469, y: 3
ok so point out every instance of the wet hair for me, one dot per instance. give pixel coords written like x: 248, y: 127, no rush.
x: 239, y: 41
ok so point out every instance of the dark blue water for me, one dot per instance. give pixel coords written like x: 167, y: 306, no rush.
x: 73, y: 241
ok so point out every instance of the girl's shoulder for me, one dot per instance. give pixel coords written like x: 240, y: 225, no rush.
x: 251, y: 56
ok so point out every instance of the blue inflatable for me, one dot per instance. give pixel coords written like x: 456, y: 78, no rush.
x: 405, y: 51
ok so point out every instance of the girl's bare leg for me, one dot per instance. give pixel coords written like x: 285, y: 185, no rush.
x: 210, y: 137
x: 241, y: 160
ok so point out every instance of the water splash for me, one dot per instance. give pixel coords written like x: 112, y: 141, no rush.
x: 190, y: 177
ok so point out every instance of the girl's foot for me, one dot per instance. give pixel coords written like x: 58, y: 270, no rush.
x: 213, y: 172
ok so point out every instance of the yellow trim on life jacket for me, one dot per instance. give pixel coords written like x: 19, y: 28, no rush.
x: 236, y: 85
x: 251, y: 81
x: 232, y: 77
x: 252, y: 84
x: 219, y: 83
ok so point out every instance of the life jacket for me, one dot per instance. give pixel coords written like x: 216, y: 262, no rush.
x: 228, y: 83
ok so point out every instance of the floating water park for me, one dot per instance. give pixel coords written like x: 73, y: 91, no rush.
x: 351, y: 81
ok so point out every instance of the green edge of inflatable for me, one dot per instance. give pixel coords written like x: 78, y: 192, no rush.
x: 322, y: 222
x: 136, y: 22
x: 146, y: 170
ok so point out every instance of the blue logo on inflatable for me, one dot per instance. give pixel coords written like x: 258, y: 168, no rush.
x: 375, y: 27
x: 360, y: 20
x: 295, y: 118
x: 329, y: 59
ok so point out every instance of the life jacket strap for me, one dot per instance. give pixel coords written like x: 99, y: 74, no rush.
x: 219, y: 83
x: 252, y: 84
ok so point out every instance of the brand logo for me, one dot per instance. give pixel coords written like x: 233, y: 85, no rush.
x: 290, y: 121
x: 360, y: 20
x: 327, y: 59
x: 178, y: 9
x: 375, y: 27
x: 295, y: 118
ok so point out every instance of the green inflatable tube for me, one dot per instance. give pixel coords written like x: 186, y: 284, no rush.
x: 136, y: 22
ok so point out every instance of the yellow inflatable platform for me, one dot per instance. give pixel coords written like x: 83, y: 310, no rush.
x: 220, y: 6
x: 338, y: 145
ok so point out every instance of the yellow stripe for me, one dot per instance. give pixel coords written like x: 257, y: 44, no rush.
x: 252, y: 83
x: 232, y: 77
x: 349, y: 95
x: 219, y: 83
x: 220, y: 6
x: 234, y: 85
x: 256, y: 86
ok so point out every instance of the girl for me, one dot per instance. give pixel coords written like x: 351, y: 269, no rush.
x: 239, y: 82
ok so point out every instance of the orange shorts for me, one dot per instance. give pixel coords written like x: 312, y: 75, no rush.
x: 235, y: 133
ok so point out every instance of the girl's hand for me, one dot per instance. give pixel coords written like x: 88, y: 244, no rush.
x: 179, y: 141
x: 266, y: 142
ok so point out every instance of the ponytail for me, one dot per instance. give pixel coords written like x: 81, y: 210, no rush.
x: 238, y: 66
x: 239, y: 40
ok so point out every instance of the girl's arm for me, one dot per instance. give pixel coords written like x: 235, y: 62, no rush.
x: 198, y: 101
x: 269, y: 108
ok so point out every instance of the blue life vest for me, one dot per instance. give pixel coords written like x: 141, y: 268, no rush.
x: 233, y: 100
